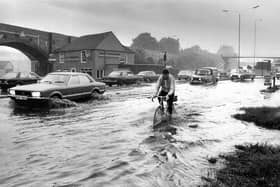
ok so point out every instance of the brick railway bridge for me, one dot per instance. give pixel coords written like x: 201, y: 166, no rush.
x: 35, y: 44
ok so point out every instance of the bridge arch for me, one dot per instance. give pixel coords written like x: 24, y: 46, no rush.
x: 32, y: 52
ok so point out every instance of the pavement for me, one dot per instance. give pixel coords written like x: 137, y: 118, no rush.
x: 3, y: 96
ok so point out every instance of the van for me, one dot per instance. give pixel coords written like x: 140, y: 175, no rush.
x: 205, y: 75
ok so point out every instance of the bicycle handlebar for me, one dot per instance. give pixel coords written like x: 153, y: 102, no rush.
x: 162, y: 97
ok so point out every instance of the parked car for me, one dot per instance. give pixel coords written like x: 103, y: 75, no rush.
x: 267, y: 80
x: 57, y: 85
x: 121, y: 77
x: 241, y: 75
x: 277, y: 75
x: 148, y: 76
x: 185, y: 74
x: 223, y: 76
x: 13, y: 79
x: 205, y: 75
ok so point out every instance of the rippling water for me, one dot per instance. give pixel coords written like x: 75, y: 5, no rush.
x: 111, y: 142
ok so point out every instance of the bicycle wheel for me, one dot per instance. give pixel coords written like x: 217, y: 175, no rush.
x: 158, y: 116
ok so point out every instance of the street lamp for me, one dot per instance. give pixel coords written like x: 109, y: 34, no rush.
x: 239, y: 28
x: 255, y: 39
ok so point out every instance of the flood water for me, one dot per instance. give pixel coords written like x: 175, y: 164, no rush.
x: 111, y: 142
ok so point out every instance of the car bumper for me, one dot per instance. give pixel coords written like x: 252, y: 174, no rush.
x: 196, y: 82
x: 110, y: 81
x: 23, y: 100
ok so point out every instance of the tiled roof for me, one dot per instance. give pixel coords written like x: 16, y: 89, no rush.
x: 85, y: 42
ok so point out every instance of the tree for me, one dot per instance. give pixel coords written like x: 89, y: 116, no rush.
x: 150, y: 60
x: 228, y: 51
x: 170, y: 45
x: 140, y: 56
x: 145, y: 41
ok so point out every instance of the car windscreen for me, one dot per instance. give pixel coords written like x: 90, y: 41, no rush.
x: 56, y: 79
x: 142, y: 73
x: 114, y: 74
x: 203, y: 72
x: 184, y: 73
x: 10, y: 75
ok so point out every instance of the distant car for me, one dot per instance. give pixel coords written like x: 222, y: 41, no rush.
x: 121, y: 77
x: 223, y: 76
x: 185, y: 74
x: 205, y: 75
x: 13, y: 79
x: 148, y: 76
x: 277, y: 75
x: 267, y: 80
x: 241, y: 75
x: 57, y: 85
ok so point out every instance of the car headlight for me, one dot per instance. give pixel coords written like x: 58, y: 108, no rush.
x: 12, y: 92
x: 36, y: 94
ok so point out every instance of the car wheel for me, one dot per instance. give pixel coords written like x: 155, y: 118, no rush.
x: 120, y: 83
x: 55, y: 97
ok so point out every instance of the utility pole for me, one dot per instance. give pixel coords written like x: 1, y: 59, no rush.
x: 255, y: 39
x: 165, y: 58
x: 239, y: 28
x: 239, y: 25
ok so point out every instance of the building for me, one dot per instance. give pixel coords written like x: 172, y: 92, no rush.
x: 97, y: 55
x: 276, y: 65
x: 6, y: 67
x: 263, y: 68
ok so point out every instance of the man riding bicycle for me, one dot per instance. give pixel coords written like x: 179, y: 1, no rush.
x: 166, y: 87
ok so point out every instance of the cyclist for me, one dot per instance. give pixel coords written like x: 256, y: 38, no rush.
x: 166, y: 87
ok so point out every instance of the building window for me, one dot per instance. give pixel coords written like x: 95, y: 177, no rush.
x: 123, y: 59
x: 61, y: 58
x: 99, y: 74
x: 87, y: 70
x: 84, y: 56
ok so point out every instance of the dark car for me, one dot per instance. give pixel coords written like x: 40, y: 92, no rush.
x: 148, y: 76
x: 13, y: 79
x: 61, y: 85
x: 121, y: 77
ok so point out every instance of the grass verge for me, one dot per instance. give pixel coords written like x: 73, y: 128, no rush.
x: 250, y: 165
x: 267, y: 117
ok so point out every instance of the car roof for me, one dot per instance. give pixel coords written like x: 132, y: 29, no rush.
x: 213, y: 68
x: 145, y: 71
x: 67, y: 73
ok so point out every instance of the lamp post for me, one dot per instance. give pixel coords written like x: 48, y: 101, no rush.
x: 239, y: 29
x: 255, y: 39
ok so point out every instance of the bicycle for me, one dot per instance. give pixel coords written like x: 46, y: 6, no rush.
x: 161, y: 111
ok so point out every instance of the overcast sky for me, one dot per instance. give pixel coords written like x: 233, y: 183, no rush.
x: 200, y: 22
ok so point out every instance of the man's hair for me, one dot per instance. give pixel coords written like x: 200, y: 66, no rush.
x: 165, y: 71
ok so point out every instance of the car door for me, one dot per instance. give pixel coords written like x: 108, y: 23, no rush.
x: 86, y: 85
x: 73, y: 88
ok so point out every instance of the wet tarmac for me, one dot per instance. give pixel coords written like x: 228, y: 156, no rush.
x: 110, y: 140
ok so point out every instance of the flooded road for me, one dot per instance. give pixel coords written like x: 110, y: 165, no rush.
x: 111, y: 142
